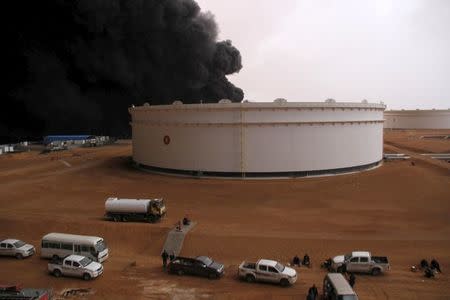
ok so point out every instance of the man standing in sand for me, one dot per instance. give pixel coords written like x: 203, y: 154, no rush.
x: 164, y: 256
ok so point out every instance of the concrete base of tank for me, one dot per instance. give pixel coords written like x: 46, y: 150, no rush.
x: 256, y: 175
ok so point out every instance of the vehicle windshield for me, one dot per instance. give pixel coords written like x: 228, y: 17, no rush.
x: 19, y: 244
x: 85, y: 261
x: 347, y: 256
x: 206, y: 260
x: 279, y: 267
x: 100, y: 246
x: 158, y: 203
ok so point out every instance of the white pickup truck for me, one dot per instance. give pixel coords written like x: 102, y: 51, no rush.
x: 268, y: 271
x: 360, y: 262
x: 16, y: 248
x: 75, y: 266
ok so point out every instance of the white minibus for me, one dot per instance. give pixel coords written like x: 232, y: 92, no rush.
x: 59, y: 245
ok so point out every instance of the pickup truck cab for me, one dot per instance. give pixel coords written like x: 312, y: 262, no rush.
x: 75, y: 266
x: 16, y: 248
x: 267, y: 271
x: 360, y: 262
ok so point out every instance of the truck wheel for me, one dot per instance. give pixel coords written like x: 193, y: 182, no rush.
x: 116, y: 219
x: 284, y: 282
x: 151, y: 219
x: 180, y: 272
x: 57, y: 273
x: 86, y: 276
x: 250, y: 278
x: 341, y: 269
x: 124, y: 219
x: 19, y: 256
x: 376, y: 271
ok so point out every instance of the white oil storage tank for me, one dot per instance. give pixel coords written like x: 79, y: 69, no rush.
x: 249, y: 139
x: 417, y: 119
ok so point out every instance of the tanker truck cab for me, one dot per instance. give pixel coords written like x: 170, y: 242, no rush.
x: 149, y: 210
x: 158, y: 207
x: 58, y: 245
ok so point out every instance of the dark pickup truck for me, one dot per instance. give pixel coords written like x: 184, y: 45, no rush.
x: 16, y: 292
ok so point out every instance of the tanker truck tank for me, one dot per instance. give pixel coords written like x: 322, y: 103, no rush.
x: 150, y: 210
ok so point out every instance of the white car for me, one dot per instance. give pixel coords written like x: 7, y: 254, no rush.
x: 17, y: 248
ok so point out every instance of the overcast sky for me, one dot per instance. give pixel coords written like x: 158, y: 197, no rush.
x: 395, y: 51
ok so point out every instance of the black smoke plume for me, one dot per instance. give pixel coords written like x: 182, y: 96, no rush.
x: 76, y: 66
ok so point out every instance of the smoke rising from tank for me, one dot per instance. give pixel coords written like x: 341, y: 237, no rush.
x: 76, y: 66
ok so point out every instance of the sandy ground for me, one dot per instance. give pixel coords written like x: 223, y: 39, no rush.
x: 398, y: 210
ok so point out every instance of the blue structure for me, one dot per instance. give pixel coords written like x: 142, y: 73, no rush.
x: 61, y: 138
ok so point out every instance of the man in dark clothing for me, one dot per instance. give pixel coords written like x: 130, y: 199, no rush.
x: 435, y: 265
x: 423, y: 264
x: 313, y: 294
x: 306, y: 260
x: 429, y: 272
x: 352, y: 280
x: 172, y: 256
x: 326, y: 264
x: 164, y: 256
x: 296, y: 261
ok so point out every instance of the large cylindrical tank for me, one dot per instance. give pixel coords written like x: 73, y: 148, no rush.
x: 115, y: 205
x: 417, y: 119
x: 258, y: 139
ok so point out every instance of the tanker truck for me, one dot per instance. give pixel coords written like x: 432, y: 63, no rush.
x: 150, y: 210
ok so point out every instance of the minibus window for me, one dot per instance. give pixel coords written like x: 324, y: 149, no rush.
x: 66, y: 246
x: 100, y: 246
x: 54, y: 245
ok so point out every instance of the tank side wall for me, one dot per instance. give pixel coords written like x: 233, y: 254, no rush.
x: 312, y: 147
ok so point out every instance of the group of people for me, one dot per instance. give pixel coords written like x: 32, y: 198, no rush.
x: 306, y: 261
x: 184, y: 222
x: 430, y: 269
x: 165, y: 256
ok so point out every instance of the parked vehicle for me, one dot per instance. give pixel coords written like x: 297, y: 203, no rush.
x: 201, y: 266
x: 57, y: 245
x: 16, y: 248
x: 268, y: 271
x: 16, y: 292
x: 336, y: 287
x: 150, y: 210
x: 75, y: 266
x: 360, y: 262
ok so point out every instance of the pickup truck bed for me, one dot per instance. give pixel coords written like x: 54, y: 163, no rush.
x: 248, y: 265
x: 380, y: 259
